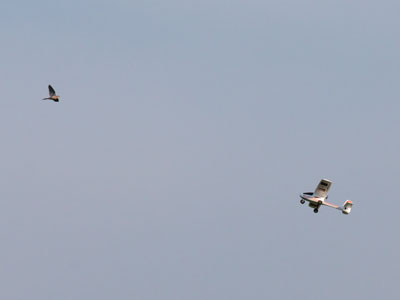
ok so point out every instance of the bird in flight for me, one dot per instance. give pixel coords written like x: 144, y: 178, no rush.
x: 52, y: 94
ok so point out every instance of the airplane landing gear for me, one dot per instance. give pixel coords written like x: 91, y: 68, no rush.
x: 316, y: 210
x: 302, y: 201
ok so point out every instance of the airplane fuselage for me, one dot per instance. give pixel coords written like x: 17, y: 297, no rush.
x: 313, y: 201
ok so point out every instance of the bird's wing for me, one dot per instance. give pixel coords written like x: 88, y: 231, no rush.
x: 52, y: 92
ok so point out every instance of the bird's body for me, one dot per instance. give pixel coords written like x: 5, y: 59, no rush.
x: 52, y: 94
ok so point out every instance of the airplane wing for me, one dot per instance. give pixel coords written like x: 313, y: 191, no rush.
x: 323, y: 188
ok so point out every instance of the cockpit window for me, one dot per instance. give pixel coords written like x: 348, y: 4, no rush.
x: 324, y: 183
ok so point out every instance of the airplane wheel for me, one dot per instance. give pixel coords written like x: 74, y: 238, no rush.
x: 316, y: 210
x: 302, y: 201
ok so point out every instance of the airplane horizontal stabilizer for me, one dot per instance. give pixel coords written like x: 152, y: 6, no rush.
x: 347, y: 207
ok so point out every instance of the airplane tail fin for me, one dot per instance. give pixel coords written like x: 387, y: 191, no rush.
x: 347, y: 207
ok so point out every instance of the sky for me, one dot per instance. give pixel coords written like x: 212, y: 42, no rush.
x: 171, y: 167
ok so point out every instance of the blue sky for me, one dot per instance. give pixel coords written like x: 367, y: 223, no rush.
x: 171, y: 167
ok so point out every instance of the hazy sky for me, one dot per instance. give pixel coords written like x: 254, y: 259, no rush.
x: 171, y: 167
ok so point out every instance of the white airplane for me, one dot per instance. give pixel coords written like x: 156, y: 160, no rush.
x: 318, y: 198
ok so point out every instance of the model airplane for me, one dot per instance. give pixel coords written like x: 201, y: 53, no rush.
x: 318, y: 198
